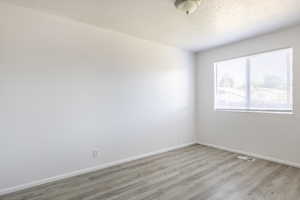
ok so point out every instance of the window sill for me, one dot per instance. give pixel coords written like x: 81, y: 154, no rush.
x: 287, y: 112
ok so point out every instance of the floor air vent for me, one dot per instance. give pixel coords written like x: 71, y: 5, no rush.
x: 246, y: 158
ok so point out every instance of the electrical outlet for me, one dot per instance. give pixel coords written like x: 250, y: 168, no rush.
x: 95, y: 153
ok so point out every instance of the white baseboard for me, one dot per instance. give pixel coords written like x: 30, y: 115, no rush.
x: 87, y: 170
x: 254, y: 155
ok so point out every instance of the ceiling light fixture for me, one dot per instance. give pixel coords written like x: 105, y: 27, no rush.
x: 187, y: 6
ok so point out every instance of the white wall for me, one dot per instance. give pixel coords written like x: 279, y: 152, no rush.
x: 272, y: 135
x: 67, y: 88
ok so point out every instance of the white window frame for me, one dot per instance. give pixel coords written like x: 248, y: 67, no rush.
x: 248, y: 93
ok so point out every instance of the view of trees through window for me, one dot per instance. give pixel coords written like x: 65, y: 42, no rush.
x: 258, y: 82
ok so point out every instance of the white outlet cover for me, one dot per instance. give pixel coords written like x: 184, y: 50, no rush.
x: 95, y: 153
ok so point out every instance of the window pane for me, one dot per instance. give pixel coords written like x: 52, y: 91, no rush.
x: 270, y: 81
x: 230, y: 84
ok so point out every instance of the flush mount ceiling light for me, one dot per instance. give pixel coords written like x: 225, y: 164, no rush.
x: 187, y: 6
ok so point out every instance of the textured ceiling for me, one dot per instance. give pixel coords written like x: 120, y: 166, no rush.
x: 216, y: 22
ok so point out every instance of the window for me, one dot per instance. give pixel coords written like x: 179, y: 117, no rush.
x: 261, y: 82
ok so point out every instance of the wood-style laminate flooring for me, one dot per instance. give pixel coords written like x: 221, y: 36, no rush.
x: 193, y: 173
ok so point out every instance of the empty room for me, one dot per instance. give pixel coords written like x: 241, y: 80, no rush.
x: 149, y: 100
